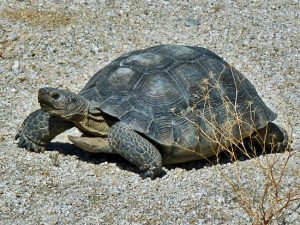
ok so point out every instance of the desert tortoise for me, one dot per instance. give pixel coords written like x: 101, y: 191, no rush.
x: 161, y: 105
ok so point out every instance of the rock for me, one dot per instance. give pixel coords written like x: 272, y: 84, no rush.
x: 12, y: 37
x: 190, y: 22
x: 16, y: 67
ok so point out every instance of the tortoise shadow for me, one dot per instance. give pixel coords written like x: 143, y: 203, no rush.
x: 247, y: 151
x: 72, y: 150
x: 222, y: 158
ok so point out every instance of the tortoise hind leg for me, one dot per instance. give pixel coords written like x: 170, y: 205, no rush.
x: 135, y: 149
x: 272, y: 137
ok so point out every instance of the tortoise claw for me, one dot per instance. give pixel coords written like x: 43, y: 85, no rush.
x: 150, y: 173
x: 17, y: 136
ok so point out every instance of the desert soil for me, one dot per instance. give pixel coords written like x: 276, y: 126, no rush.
x: 63, y: 43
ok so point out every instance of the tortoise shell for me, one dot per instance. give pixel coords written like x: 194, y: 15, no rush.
x: 178, y: 96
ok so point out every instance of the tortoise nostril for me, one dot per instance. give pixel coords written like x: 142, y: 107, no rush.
x: 55, y: 96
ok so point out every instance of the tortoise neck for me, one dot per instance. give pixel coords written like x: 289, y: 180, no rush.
x: 91, y: 119
x: 82, y: 110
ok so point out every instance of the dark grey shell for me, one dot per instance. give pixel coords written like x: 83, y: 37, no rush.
x: 163, y: 92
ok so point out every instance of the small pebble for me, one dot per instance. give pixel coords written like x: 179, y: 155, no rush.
x: 16, y: 67
x: 12, y: 37
x: 190, y: 22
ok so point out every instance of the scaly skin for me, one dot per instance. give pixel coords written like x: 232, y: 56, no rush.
x: 38, y: 129
x: 136, y: 149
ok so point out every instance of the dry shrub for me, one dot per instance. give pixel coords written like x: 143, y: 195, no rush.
x: 236, y: 134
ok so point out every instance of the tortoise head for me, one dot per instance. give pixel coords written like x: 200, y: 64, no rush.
x: 61, y: 103
x: 86, y: 115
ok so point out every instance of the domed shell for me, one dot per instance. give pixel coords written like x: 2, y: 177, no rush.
x: 171, y: 93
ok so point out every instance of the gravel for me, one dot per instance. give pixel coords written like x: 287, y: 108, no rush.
x: 63, y: 43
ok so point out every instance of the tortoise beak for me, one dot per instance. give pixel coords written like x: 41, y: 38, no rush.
x: 42, y: 95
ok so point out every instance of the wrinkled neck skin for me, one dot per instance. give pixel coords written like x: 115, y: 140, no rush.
x: 89, y: 118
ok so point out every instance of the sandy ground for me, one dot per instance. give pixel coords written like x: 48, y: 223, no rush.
x: 62, y: 44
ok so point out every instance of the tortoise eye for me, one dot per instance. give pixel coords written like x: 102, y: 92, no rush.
x: 55, y: 96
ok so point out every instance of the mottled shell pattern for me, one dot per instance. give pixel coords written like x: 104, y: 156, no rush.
x: 178, y: 96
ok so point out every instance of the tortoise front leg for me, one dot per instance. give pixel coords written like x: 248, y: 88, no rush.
x: 38, y: 129
x: 135, y: 149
